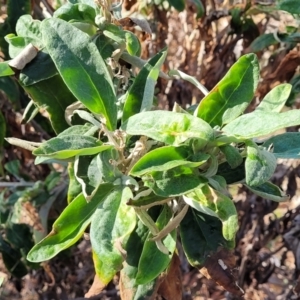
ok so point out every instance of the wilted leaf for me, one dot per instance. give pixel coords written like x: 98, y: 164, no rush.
x: 171, y: 286
x: 221, y: 268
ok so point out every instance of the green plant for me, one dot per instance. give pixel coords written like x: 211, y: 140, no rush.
x: 139, y: 176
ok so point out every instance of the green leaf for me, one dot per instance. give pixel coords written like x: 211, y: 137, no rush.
x: 169, y: 127
x: 91, y: 3
x: 74, y: 187
x: 260, y: 165
x: 5, y: 69
x: 104, y: 45
x: 231, y: 96
x: 134, y: 248
x: 12, y: 259
x: 174, y: 182
x: 149, y: 199
x: 81, y: 67
x: 274, y: 101
x: 152, y: 261
x: 53, y: 95
x: 15, y: 10
x: 263, y: 41
x: 133, y: 45
x: 79, y: 130
x: 70, y: 146
x: 178, y: 4
x: 232, y: 155
x: 166, y: 158
x: 213, y: 203
x: 9, y: 86
x: 200, y: 8
x: 40, y: 68
x: 78, y: 12
x: 231, y: 175
x: 160, y: 159
x: 201, y: 235
x: 87, y: 174
x: 291, y: 6
x: 190, y: 79
x: 69, y: 226
x: 269, y: 191
x: 29, y: 28
x: 2, y: 129
x: 140, y: 95
x: 105, y: 161
x: 286, y: 145
x: 111, y: 225
x: 259, y: 123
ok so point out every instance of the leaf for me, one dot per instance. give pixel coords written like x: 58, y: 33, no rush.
x: 286, y: 145
x: 140, y: 94
x: 178, y: 4
x: 166, y: 158
x: 129, y: 288
x: 260, y: 165
x: 69, y: 226
x: 190, y: 79
x: 70, y: 146
x: 274, y: 101
x: 291, y: 6
x: 211, y: 202
x: 263, y: 41
x: 81, y: 67
x: 29, y: 28
x: 221, y: 268
x: 200, y: 8
x: 87, y: 174
x: 169, y: 127
x: 146, y: 200
x: 96, y: 288
x: 74, y: 187
x: 40, y: 68
x: 76, y: 12
x: 153, y: 261
x: 230, y: 97
x: 9, y: 86
x: 232, y: 155
x: 5, y: 69
x: 111, y: 225
x: 104, y: 45
x: 269, y: 191
x: 259, y: 123
x: 53, y: 95
x: 174, y: 182
x: 2, y: 129
x: 87, y: 2
x: 172, y: 286
x: 196, y: 232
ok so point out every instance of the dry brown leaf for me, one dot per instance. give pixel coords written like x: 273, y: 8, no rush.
x: 24, y: 57
x: 130, y: 22
x: 96, y: 288
x: 30, y: 216
x: 221, y: 268
x: 171, y: 286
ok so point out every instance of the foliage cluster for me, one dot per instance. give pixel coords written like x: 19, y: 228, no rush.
x: 140, y: 178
